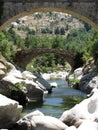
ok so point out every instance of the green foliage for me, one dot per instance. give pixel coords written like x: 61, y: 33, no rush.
x: 83, y: 41
x: 27, y: 30
x: 58, y: 42
x: 62, y: 31
x: 6, y: 47
x: 87, y: 26
x: 74, y: 80
x: 16, y: 39
x: 38, y: 15
x: 76, y: 40
x: 94, y: 48
x: 37, y: 42
x: 46, y: 31
x: 57, y: 31
x: 17, y: 87
x: 70, y: 101
x: 8, y: 68
x: 94, y: 44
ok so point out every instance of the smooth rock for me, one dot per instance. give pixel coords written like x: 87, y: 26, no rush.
x: 14, y: 76
x: 71, y: 128
x: 88, y: 125
x: 10, y: 111
x: 37, y: 121
x: 87, y: 109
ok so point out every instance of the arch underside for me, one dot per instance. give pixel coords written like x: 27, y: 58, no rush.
x: 73, y: 13
x: 25, y: 56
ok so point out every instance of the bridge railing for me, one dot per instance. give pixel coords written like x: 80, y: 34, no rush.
x: 48, y: 0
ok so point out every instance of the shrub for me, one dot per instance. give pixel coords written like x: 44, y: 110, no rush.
x: 17, y: 86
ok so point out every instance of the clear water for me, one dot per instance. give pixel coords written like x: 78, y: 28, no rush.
x: 61, y: 99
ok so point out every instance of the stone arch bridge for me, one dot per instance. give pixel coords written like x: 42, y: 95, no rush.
x: 10, y: 10
x: 23, y: 57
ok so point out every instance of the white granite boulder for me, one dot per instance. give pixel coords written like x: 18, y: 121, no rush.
x: 78, y: 73
x: 87, y: 109
x: 37, y: 121
x: 14, y: 76
x: 10, y: 111
x: 72, y: 128
x: 88, y: 125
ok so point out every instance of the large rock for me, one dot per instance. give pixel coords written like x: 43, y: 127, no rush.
x: 3, y: 68
x: 34, y: 92
x: 37, y: 121
x: 78, y: 73
x: 74, y: 78
x: 88, y: 125
x: 30, y: 87
x: 93, y: 83
x: 72, y: 128
x: 33, y: 85
x: 43, y: 83
x: 10, y: 111
x: 84, y: 82
x: 87, y: 109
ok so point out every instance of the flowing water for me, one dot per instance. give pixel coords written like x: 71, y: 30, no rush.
x: 61, y: 99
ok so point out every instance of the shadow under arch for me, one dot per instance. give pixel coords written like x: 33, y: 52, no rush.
x: 73, y: 13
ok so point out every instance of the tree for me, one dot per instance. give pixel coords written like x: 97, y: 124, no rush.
x: 62, y: 31
x: 58, y: 43
x: 57, y: 31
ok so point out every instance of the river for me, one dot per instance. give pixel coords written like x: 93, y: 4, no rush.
x: 61, y: 99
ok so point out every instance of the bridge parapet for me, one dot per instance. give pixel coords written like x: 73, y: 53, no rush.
x: 48, y: 0
x: 86, y: 10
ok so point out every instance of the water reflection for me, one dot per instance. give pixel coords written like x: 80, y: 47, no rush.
x: 61, y: 99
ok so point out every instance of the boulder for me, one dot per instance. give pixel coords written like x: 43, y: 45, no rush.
x: 78, y: 73
x: 47, y: 123
x: 30, y: 87
x: 43, y: 83
x: 28, y: 75
x: 3, y: 68
x: 37, y: 121
x: 88, y: 125
x: 87, y: 109
x: 83, y: 84
x: 93, y: 83
x: 72, y: 128
x: 34, y: 92
x: 30, y: 115
x: 10, y: 111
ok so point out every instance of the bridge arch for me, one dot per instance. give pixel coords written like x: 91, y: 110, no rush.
x: 26, y: 55
x: 58, y: 6
x: 63, y: 6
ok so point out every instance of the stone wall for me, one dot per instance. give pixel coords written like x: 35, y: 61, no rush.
x: 86, y: 10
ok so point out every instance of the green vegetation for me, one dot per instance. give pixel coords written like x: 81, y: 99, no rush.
x: 83, y: 41
x: 70, y: 101
x: 74, y: 80
x: 17, y: 87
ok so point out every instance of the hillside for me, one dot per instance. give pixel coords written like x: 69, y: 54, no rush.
x: 50, y: 23
x: 50, y: 30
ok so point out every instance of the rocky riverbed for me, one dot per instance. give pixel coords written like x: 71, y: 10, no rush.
x: 23, y: 86
x: 83, y: 116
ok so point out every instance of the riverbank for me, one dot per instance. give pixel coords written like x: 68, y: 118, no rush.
x: 55, y: 75
x: 61, y: 98
x: 15, y: 79
x: 82, y: 116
